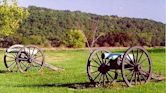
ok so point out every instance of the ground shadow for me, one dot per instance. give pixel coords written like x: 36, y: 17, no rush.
x: 68, y: 85
x: 77, y: 85
x: 83, y: 85
x: 4, y: 71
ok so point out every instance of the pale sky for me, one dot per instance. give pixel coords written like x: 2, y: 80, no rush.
x: 150, y: 9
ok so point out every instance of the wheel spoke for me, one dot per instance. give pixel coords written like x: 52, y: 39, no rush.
x: 94, y: 72
x: 143, y: 77
x: 107, y: 77
x: 37, y: 62
x: 98, y: 58
x: 10, y: 56
x: 10, y: 60
x: 13, y: 67
x: 131, y: 72
x: 14, y: 55
x: 23, y: 64
x: 130, y: 59
x: 140, y: 56
x: 136, y: 57
x: 139, y: 78
x: 126, y: 61
x: 95, y: 61
x: 38, y: 56
x: 103, y: 79
x: 29, y: 52
x: 133, y: 56
x: 100, y: 77
x: 130, y: 68
x: 94, y: 66
x: 37, y: 52
x: 110, y: 75
x: 132, y: 77
x: 143, y: 72
x: 143, y: 61
x: 97, y: 76
x: 33, y: 52
x: 11, y: 64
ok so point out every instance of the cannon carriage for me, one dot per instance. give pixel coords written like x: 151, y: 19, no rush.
x: 23, y: 58
x: 135, y: 64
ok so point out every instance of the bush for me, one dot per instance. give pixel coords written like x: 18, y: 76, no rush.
x: 35, y: 40
x: 75, y: 39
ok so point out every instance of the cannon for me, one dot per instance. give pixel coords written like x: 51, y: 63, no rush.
x: 23, y: 58
x: 134, y: 65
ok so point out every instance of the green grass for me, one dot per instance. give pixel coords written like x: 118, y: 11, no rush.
x: 74, y: 63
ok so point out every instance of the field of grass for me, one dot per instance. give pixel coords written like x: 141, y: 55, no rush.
x: 74, y: 63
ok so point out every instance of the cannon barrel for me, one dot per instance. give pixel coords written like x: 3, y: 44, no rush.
x: 114, y: 56
x: 14, y: 48
x: 17, y: 48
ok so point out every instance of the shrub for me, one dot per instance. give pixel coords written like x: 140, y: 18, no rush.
x: 35, y: 40
x: 75, y: 38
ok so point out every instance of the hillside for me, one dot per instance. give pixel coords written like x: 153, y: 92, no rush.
x: 49, y: 27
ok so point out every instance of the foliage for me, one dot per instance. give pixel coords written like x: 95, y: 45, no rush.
x: 75, y: 38
x: 118, y: 31
x: 35, y: 40
x: 10, y: 17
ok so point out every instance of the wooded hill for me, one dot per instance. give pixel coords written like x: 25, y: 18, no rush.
x: 49, y: 27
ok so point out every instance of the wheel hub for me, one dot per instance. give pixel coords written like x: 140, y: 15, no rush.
x: 104, y: 68
x: 137, y: 68
x: 30, y: 60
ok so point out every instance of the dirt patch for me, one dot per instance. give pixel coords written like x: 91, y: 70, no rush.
x: 118, y: 84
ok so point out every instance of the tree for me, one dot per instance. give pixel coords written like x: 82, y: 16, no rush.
x: 92, y: 36
x: 10, y: 17
x: 98, y: 30
x: 75, y: 38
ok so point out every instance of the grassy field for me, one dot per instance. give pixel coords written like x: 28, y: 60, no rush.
x: 74, y: 63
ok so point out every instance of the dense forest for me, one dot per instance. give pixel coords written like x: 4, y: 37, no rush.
x: 57, y: 28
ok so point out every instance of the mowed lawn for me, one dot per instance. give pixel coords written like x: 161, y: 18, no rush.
x: 74, y: 63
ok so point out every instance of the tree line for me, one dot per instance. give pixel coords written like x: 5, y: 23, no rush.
x: 57, y: 28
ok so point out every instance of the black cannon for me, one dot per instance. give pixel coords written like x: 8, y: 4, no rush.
x: 134, y: 64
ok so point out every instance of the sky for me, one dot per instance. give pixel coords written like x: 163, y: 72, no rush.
x: 149, y: 9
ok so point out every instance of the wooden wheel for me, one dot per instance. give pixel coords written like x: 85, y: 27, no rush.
x: 10, y: 63
x: 98, y: 69
x: 30, y: 58
x: 10, y: 58
x: 136, y: 66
